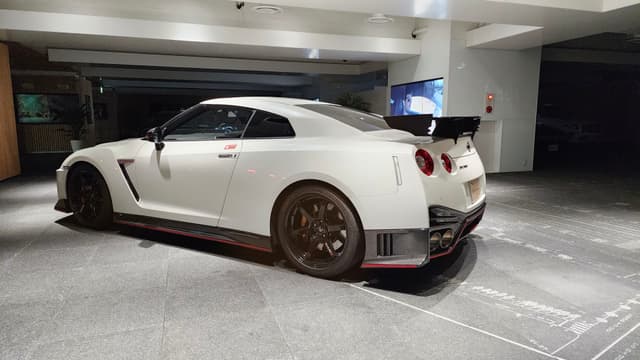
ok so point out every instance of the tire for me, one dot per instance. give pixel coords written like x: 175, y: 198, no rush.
x: 89, y: 197
x: 319, y: 231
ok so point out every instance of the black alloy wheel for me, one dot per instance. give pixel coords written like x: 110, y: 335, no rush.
x: 89, y: 197
x: 319, y: 232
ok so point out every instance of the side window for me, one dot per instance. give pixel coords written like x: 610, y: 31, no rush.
x: 211, y: 123
x: 267, y: 125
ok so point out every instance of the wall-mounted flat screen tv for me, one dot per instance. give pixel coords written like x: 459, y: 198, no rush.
x: 44, y: 109
x: 421, y: 97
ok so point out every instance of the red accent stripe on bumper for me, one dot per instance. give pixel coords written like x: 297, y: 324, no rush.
x: 388, y: 266
x: 446, y: 252
x: 188, y: 234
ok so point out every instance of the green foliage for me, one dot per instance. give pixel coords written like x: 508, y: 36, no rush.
x: 353, y: 101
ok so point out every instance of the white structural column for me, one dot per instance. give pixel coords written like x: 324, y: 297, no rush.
x: 433, y: 61
x: 506, y: 139
x: 507, y: 142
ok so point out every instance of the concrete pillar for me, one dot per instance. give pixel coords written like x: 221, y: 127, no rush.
x: 432, y: 63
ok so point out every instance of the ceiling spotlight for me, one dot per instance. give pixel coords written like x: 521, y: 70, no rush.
x: 379, y: 19
x: 313, y: 53
x: 267, y: 9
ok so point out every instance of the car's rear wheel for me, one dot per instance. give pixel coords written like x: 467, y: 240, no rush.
x: 89, y: 197
x: 319, y: 231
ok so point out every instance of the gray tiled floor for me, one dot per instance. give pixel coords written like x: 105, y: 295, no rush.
x: 553, y: 268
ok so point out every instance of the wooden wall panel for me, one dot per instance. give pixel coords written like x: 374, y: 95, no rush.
x: 9, y: 156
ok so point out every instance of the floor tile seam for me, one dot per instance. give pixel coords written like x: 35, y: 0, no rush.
x: 632, y: 229
x: 575, y: 228
x: 275, y: 317
x: 599, y: 248
x: 75, y: 338
x: 8, y: 262
x: 584, y: 261
x: 459, y: 323
x: 164, y: 308
x: 581, y: 224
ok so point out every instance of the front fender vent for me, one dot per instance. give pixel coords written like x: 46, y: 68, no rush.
x: 134, y: 192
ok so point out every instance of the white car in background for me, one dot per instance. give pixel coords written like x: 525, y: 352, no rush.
x: 334, y: 188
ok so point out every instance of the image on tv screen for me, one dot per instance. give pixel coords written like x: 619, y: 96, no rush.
x: 422, y: 97
x: 39, y: 109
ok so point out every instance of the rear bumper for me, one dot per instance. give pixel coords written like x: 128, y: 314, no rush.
x: 411, y: 248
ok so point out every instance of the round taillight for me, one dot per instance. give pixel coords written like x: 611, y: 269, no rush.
x: 424, y: 162
x: 446, y: 162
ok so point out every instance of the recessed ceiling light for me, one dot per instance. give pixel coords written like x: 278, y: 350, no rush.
x: 313, y: 53
x: 379, y: 19
x: 267, y: 9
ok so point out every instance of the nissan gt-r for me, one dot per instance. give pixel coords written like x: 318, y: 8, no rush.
x: 333, y: 188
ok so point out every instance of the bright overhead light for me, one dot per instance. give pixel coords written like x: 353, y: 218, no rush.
x: 313, y: 53
x: 267, y: 9
x: 379, y: 19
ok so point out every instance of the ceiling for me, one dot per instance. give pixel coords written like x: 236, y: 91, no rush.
x: 619, y: 42
x: 316, y: 31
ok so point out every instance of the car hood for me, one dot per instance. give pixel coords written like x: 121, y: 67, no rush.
x: 120, y: 143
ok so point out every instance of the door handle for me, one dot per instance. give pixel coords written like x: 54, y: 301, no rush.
x: 227, y: 156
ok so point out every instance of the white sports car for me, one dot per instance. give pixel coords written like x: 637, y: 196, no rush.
x: 334, y: 188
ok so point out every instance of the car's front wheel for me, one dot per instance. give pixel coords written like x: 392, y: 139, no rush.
x: 89, y: 197
x: 319, y: 231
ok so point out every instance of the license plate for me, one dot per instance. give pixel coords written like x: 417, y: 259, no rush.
x: 475, y: 189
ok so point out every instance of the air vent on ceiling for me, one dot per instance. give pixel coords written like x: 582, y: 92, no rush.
x: 379, y: 19
x: 267, y: 9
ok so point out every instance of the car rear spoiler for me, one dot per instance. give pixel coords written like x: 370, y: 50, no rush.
x: 452, y: 127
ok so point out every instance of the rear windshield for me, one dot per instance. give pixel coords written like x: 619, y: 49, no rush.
x: 358, y: 119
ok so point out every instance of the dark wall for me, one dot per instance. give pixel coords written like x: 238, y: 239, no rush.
x: 138, y: 112
x: 588, y: 116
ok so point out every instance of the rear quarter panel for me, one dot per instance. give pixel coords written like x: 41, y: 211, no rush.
x: 363, y: 170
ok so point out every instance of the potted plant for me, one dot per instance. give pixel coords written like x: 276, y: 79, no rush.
x: 77, y: 117
x: 353, y: 101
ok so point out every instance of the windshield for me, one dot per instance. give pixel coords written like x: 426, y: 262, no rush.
x: 358, y: 119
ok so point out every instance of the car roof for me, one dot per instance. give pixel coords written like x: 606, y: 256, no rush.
x: 306, y: 123
x: 241, y: 100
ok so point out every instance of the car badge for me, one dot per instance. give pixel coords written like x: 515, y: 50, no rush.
x: 230, y: 146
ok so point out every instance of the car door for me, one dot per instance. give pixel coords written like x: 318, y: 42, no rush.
x: 187, y: 179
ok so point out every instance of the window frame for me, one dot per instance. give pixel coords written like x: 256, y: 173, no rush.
x: 256, y: 111
x: 196, y: 110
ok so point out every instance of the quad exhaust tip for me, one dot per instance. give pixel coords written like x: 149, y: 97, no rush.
x: 441, y: 239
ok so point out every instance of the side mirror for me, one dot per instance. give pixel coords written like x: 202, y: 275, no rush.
x: 150, y: 135
x: 155, y: 135
x: 159, y: 144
